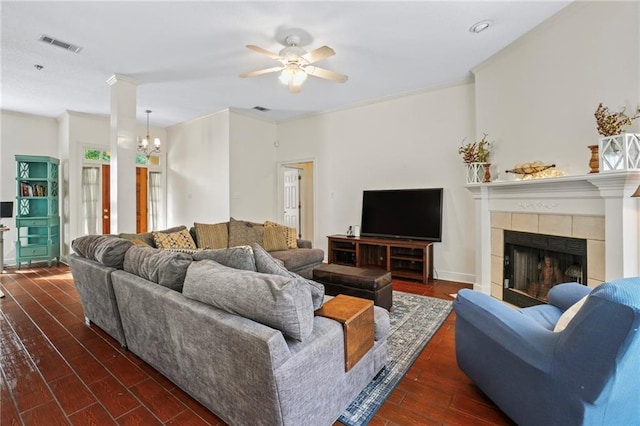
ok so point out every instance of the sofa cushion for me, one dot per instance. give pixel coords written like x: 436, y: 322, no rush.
x: 275, y: 238
x: 283, y: 303
x: 147, y: 237
x: 289, y: 232
x: 243, y: 233
x: 212, y: 236
x: 240, y: 257
x: 106, y: 249
x: 162, y: 267
x: 178, y: 239
x: 265, y: 263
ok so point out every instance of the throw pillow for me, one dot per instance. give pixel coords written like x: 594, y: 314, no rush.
x: 180, y: 239
x: 568, y: 315
x: 243, y: 233
x: 212, y: 236
x: 283, y: 303
x: 275, y: 238
x: 265, y: 263
x: 106, y: 249
x: 162, y: 267
x: 291, y: 233
x: 240, y: 257
x: 147, y: 237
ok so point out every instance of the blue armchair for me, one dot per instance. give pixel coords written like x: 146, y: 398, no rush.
x: 587, y: 374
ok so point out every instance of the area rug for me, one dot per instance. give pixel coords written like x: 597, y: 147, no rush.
x: 414, y: 320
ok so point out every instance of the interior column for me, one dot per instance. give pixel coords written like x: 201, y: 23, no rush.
x: 621, y: 219
x: 123, y: 146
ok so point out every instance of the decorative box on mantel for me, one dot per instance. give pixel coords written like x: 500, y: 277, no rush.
x: 476, y: 172
x: 620, y: 152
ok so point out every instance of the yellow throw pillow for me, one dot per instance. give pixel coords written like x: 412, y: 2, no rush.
x: 290, y: 233
x: 275, y: 238
x: 180, y: 239
x: 212, y: 236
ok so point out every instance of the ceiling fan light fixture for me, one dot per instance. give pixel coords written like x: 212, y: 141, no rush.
x: 293, y: 74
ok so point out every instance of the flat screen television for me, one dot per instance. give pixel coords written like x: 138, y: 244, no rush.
x: 411, y: 214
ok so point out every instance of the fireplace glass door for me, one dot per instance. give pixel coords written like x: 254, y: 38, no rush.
x: 534, y: 263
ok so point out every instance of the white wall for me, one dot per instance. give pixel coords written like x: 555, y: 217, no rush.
x: 253, y: 174
x: 407, y: 142
x: 81, y: 130
x: 21, y: 134
x: 198, y: 170
x: 537, y: 97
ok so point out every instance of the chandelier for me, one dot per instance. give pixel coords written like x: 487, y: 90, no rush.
x: 144, y: 143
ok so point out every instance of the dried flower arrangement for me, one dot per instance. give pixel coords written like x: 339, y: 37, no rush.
x: 610, y: 124
x: 476, y: 152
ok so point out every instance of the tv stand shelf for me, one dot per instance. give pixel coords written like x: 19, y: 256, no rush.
x: 404, y: 259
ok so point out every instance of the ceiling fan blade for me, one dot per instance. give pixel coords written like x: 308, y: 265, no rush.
x: 318, y: 54
x: 263, y: 51
x: 326, y: 74
x: 294, y: 88
x: 260, y: 72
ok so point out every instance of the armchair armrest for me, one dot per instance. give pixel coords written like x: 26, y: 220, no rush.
x: 504, y: 326
x: 565, y: 295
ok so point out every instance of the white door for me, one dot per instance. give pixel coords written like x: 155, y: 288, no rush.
x: 292, y: 198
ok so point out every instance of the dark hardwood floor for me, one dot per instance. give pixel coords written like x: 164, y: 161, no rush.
x: 57, y: 370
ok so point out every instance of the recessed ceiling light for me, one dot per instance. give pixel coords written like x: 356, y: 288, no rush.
x: 478, y: 27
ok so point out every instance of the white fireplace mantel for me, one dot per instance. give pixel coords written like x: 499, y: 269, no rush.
x: 600, y: 194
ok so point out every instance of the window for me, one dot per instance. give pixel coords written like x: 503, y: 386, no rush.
x: 91, y: 199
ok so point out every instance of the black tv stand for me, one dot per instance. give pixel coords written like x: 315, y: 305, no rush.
x: 403, y: 258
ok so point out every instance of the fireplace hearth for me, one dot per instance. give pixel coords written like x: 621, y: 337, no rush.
x: 534, y: 263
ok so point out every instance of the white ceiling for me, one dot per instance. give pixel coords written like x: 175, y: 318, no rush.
x: 186, y: 56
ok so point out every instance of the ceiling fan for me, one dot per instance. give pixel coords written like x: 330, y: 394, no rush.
x: 296, y: 64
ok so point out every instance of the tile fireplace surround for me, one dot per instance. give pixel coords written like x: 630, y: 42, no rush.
x: 597, y: 207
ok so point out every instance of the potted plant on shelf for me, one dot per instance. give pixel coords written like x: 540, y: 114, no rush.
x: 616, y: 148
x: 476, y: 158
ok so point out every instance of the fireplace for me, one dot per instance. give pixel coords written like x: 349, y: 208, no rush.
x: 534, y: 263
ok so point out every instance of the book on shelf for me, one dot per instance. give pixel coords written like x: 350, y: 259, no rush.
x: 33, y: 190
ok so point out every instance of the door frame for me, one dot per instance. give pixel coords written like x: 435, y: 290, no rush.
x: 298, y: 197
x: 280, y: 166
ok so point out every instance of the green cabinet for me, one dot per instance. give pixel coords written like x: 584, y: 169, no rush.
x: 37, y: 215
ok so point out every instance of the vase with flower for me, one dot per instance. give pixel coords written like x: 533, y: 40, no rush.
x: 617, y: 150
x: 476, y: 159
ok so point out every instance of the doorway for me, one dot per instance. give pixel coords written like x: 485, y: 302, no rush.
x: 141, y: 199
x: 96, y: 192
x: 296, y: 195
x: 91, y: 200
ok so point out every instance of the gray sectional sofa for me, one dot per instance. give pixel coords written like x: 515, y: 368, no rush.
x: 244, y: 343
x: 302, y: 260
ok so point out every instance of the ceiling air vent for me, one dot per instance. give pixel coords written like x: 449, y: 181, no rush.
x: 261, y: 109
x: 60, y: 43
